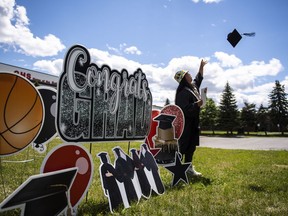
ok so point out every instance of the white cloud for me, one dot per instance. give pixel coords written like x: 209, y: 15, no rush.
x: 227, y: 60
x: 207, y: 1
x: 53, y: 67
x: 114, y: 61
x: 133, y: 50
x: 15, y: 33
x: 113, y: 49
x: 211, y: 1
x: 245, y: 80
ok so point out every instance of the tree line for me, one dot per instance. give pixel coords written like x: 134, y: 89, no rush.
x: 227, y: 117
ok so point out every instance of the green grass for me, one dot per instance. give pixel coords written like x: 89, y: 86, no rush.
x: 234, y: 182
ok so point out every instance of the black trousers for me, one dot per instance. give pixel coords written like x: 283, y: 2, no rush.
x: 188, y: 157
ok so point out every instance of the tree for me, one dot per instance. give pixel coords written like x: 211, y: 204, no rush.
x: 167, y: 102
x: 228, y: 113
x: 263, y: 119
x: 36, y: 83
x: 278, y: 106
x: 248, y: 117
x: 208, y: 115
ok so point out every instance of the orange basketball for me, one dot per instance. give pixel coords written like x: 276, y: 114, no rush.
x: 21, y: 113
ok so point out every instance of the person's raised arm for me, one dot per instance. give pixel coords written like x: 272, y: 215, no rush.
x: 201, y: 68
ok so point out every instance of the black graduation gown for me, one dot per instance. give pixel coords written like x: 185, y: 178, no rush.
x: 110, y: 186
x: 125, y: 173
x: 143, y: 181
x: 149, y: 162
x: 186, y: 101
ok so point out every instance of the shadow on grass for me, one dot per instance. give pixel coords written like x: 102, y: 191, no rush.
x: 256, y: 188
x: 91, y: 207
x: 200, y: 179
x: 191, y: 180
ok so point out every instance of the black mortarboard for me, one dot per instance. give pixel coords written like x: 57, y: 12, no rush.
x: 165, y: 121
x: 103, y: 156
x: 43, y: 194
x: 234, y: 37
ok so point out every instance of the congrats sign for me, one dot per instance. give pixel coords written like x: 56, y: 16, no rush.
x: 97, y: 103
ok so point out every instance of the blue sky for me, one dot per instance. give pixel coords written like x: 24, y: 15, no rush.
x: 158, y: 36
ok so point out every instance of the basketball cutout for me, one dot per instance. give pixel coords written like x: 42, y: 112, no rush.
x: 22, y: 113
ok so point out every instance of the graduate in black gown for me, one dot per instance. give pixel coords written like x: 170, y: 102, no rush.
x: 125, y: 170
x: 143, y: 180
x: 150, y: 164
x: 108, y: 177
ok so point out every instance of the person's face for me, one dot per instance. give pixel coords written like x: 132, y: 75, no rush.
x: 188, y: 77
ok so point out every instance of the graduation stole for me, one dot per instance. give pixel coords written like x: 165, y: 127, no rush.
x: 194, y: 91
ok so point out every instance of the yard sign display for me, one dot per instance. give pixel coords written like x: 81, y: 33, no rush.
x: 93, y: 104
x: 100, y: 104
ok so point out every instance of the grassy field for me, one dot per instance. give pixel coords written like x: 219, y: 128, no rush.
x: 234, y: 182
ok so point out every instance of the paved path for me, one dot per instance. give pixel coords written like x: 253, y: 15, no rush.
x: 251, y: 143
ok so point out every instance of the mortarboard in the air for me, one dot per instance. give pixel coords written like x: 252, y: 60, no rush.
x: 165, y: 121
x: 234, y: 37
x: 42, y: 194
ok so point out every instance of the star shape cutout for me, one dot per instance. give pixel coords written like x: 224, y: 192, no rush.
x: 179, y: 170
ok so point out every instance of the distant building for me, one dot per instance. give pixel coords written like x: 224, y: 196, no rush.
x: 34, y: 76
x: 155, y: 107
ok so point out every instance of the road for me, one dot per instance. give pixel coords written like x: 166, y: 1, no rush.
x: 249, y: 143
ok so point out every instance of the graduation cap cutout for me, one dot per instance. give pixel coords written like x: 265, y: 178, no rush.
x: 43, y: 194
x: 234, y: 37
x: 103, y: 155
x: 165, y: 121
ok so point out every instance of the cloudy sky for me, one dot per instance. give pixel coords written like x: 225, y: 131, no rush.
x: 158, y: 36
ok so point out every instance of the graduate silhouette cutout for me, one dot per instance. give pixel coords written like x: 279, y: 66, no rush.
x: 143, y: 180
x: 110, y: 186
x: 151, y: 169
x: 125, y: 171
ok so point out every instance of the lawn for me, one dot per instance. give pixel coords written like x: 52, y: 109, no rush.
x: 234, y: 182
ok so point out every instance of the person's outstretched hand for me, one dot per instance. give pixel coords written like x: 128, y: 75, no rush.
x: 203, y: 63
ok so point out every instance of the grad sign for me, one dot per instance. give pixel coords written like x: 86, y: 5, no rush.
x: 97, y: 103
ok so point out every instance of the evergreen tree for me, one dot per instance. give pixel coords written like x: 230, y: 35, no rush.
x: 278, y: 106
x: 167, y: 102
x: 263, y: 119
x: 208, y: 115
x: 248, y: 117
x: 36, y: 83
x: 228, y: 113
